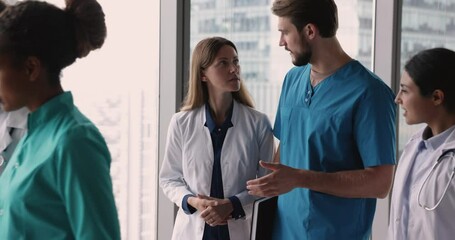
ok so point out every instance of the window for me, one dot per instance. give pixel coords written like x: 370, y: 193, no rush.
x: 117, y: 88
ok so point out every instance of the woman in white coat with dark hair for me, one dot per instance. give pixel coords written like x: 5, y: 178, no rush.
x: 423, y: 197
x: 213, y: 148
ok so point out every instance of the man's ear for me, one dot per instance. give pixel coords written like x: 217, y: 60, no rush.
x: 438, y: 97
x: 33, y: 68
x: 310, y: 30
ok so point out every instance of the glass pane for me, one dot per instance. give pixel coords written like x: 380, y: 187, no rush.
x: 253, y: 28
x: 117, y: 88
x: 425, y: 24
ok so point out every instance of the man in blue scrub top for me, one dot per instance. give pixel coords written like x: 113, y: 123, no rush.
x: 335, y: 123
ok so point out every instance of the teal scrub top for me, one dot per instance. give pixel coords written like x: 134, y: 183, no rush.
x: 57, y: 184
x: 346, y: 122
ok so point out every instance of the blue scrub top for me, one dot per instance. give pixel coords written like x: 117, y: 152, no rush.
x: 346, y: 122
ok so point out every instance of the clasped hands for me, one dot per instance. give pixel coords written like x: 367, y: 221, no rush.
x: 217, y: 211
x: 214, y: 211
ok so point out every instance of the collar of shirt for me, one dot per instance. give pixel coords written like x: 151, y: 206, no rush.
x: 17, y: 119
x: 434, y: 142
x: 210, y: 122
x: 55, y: 106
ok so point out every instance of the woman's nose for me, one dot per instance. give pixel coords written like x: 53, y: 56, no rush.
x: 234, y: 67
x: 398, y: 99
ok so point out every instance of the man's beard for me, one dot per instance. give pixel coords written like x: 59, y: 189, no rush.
x: 302, y: 59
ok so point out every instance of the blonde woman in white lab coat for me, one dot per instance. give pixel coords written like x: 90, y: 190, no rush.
x: 213, y: 148
x: 423, y: 197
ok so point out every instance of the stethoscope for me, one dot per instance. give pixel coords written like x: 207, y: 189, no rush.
x: 430, y: 174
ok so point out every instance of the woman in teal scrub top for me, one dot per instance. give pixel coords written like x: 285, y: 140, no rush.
x: 57, y: 184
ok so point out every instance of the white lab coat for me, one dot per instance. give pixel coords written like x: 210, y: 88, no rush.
x: 438, y: 224
x: 188, y: 161
x: 17, y: 120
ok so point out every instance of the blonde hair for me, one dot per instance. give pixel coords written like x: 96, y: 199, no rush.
x: 203, y: 56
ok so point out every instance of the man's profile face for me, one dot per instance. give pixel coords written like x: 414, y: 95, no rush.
x: 294, y: 42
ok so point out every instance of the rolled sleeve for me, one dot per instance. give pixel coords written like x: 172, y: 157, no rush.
x: 187, y: 208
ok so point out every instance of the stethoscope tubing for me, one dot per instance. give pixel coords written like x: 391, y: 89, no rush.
x: 429, y: 175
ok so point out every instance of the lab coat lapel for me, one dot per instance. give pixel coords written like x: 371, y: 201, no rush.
x: 17, y: 119
x: 227, y: 152
x: 5, y: 138
x: 230, y: 133
x: 209, y: 149
x: 405, y: 164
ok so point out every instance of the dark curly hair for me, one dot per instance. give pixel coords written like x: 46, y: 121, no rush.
x: 55, y: 36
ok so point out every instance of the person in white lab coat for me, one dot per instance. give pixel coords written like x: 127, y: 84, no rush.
x: 214, y: 146
x: 423, y: 197
x: 13, y: 126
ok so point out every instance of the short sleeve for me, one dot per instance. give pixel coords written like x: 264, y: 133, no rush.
x: 374, y: 126
x: 277, y: 124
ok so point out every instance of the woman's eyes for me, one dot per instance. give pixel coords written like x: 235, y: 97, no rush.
x: 225, y: 63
